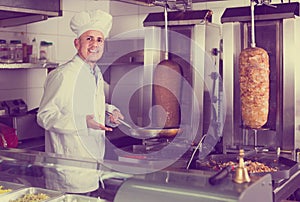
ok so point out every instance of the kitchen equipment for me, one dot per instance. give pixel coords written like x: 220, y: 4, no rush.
x: 25, y: 124
x: 14, y: 107
x: 241, y: 173
x: 254, y: 82
x: 167, y: 86
x: 120, y: 120
x: 175, y: 186
x: 145, y: 133
x: 275, y: 31
x: 192, y: 37
x: 285, y: 167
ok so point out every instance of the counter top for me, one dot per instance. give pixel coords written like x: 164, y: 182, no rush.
x: 27, y: 65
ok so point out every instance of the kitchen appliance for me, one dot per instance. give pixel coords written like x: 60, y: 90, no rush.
x: 18, y: 117
x: 25, y: 125
x: 174, y: 186
x: 193, y: 44
x: 14, y: 107
x: 276, y: 28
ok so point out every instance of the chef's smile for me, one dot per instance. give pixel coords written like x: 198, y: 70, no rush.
x: 90, y: 46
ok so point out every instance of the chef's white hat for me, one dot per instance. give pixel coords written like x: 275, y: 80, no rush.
x: 91, y: 20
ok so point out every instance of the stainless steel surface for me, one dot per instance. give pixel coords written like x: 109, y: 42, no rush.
x: 262, y: 12
x: 120, y: 120
x: 13, y: 13
x: 179, y: 18
x: 279, y: 38
x: 10, y: 185
x: 76, y: 198
x: 28, y: 66
x: 284, y: 191
x: 25, y: 125
x: 171, y: 186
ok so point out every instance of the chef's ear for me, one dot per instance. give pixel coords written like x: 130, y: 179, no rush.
x: 76, y: 43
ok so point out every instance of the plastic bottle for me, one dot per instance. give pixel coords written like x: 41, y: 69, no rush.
x: 46, y: 51
x: 34, y: 54
x: 3, y: 51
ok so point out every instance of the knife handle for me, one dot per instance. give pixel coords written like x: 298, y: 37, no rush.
x: 219, y: 176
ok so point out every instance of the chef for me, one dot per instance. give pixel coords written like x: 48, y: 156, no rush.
x: 72, y: 109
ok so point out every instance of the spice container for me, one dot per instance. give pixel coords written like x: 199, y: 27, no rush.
x: 15, y: 50
x: 46, y: 51
x: 3, y: 51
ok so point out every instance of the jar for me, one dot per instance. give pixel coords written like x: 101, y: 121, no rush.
x: 46, y: 51
x: 15, y: 51
x: 3, y: 51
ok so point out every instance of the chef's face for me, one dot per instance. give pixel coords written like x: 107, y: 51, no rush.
x: 90, y: 46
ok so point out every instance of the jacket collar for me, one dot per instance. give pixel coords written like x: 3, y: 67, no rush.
x: 94, y: 71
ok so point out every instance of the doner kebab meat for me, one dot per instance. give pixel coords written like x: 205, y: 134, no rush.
x: 254, y: 86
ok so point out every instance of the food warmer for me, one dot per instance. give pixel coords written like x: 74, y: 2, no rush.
x: 171, y: 184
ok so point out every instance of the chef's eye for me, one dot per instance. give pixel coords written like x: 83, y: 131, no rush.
x: 100, y: 40
x: 89, y: 38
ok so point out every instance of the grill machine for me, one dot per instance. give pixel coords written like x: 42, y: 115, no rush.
x: 193, y: 44
x: 276, y: 28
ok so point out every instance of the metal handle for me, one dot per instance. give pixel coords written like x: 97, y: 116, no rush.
x: 252, y: 25
x: 219, y: 176
x: 121, y: 121
x: 166, y: 32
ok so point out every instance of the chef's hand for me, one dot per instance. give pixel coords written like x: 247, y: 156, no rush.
x: 114, y: 117
x: 91, y: 123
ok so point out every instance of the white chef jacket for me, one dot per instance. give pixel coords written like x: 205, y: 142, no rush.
x: 71, y: 92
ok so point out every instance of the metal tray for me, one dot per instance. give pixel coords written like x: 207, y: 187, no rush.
x: 10, y: 185
x: 286, y: 167
x: 76, y: 198
x: 29, y: 190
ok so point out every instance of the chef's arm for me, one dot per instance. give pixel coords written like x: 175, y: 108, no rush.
x: 52, y: 114
x: 91, y: 123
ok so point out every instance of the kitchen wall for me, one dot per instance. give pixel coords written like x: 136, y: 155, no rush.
x: 28, y: 84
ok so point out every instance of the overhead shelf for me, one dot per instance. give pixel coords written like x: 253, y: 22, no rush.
x: 19, y: 12
x: 28, y: 65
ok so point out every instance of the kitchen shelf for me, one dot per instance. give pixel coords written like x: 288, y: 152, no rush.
x: 20, y: 12
x: 28, y: 66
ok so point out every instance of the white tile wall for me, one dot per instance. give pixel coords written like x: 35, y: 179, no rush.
x: 26, y: 84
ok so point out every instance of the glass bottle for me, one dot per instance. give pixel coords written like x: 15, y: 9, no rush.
x: 15, y: 51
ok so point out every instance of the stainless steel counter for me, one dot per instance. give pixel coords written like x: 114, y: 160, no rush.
x: 174, y: 183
